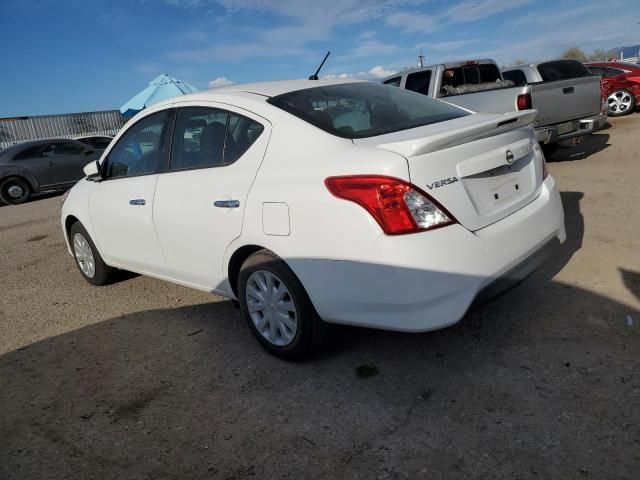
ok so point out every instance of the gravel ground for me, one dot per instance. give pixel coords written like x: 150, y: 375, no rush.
x: 144, y: 379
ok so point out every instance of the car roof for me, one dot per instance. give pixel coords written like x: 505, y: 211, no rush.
x: 616, y: 64
x: 269, y: 89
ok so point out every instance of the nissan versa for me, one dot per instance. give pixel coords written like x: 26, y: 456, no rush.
x: 318, y: 201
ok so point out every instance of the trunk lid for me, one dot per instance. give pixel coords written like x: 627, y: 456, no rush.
x: 481, y: 168
x: 566, y: 100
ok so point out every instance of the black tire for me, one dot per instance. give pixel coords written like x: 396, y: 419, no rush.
x: 311, y: 329
x: 549, y: 149
x: 629, y: 110
x: 8, y: 196
x: 103, y: 272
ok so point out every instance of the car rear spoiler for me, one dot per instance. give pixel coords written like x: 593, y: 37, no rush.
x: 432, y: 138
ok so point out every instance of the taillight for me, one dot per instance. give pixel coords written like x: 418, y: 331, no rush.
x: 524, y: 102
x: 396, y: 205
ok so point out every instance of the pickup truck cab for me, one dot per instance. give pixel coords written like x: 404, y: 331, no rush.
x: 567, y: 96
x: 476, y: 85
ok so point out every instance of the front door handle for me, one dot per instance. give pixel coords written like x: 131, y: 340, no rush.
x: 137, y: 201
x: 226, y: 203
x: 567, y: 90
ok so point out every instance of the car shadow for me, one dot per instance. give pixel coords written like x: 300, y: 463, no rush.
x: 187, y: 393
x: 590, y: 145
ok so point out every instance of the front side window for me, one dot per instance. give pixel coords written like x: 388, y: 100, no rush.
x: 364, y: 109
x: 596, y: 71
x: 419, y: 82
x: 141, y: 150
x: 208, y: 137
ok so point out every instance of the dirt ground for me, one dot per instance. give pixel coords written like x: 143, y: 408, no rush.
x: 143, y: 379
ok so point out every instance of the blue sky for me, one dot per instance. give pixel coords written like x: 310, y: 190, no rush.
x: 64, y: 56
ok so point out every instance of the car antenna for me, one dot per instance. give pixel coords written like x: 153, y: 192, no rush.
x: 315, y: 75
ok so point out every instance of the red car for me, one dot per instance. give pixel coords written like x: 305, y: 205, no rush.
x: 620, y: 85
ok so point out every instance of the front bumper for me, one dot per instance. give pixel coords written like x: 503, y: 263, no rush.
x: 427, y: 281
x: 585, y: 126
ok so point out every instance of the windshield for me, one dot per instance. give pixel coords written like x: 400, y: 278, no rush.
x: 365, y: 109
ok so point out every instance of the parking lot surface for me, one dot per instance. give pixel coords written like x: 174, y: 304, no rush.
x: 144, y: 379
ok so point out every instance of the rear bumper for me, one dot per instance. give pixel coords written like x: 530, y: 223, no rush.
x: 427, y: 281
x: 585, y: 126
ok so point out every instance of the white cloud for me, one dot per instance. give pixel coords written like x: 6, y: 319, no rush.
x: 472, y: 10
x: 380, y: 72
x: 220, y: 82
x: 412, y: 23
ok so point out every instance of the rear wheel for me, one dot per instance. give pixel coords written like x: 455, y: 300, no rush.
x: 88, y: 260
x: 277, y: 308
x: 621, y: 102
x: 15, y: 190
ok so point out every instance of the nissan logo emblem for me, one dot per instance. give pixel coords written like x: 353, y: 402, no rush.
x: 510, y: 157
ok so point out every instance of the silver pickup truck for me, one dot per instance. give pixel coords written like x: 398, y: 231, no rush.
x: 476, y: 85
x: 567, y: 97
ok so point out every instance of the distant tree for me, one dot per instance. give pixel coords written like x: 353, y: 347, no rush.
x: 575, y: 53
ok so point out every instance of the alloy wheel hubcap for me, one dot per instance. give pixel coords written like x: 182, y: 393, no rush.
x: 84, y: 255
x: 15, y: 191
x: 271, y: 308
x: 619, y: 102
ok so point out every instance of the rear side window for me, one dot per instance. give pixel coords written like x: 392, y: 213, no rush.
x: 518, y: 77
x: 207, y: 137
x: 612, y: 72
x: 419, y: 82
x: 394, y: 82
x: 29, y: 153
x: 364, y: 109
x: 562, y: 70
x: 64, y: 149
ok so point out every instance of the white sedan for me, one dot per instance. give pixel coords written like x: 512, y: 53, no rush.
x: 318, y: 201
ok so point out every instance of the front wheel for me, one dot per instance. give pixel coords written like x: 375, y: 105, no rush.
x: 88, y: 260
x: 15, y: 190
x: 277, y: 308
x: 621, y: 102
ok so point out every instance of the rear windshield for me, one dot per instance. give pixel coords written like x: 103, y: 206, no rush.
x: 518, y: 77
x: 471, y: 74
x: 562, y: 70
x: 364, y: 109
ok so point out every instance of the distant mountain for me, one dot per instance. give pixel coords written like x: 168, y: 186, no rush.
x: 631, y: 51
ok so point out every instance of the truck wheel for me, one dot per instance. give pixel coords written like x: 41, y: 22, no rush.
x: 621, y: 102
x: 15, y: 190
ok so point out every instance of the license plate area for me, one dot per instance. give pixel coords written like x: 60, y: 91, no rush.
x: 567, y: 127
x: 500, y: 188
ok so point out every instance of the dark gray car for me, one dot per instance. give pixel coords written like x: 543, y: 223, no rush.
x: 40, y: 165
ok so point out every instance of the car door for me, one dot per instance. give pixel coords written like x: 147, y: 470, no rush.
x: 199, y: 204
x: 65, y: 161
x: 121, y: 205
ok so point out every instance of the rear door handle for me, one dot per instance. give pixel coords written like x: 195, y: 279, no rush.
x: 137, y: 201
x: 567, y: 90
x: 226, y: 203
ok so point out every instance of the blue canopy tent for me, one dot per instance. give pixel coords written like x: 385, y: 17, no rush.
x: 160, y: 88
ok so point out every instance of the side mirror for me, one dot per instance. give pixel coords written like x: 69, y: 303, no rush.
x: 92, y: 171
